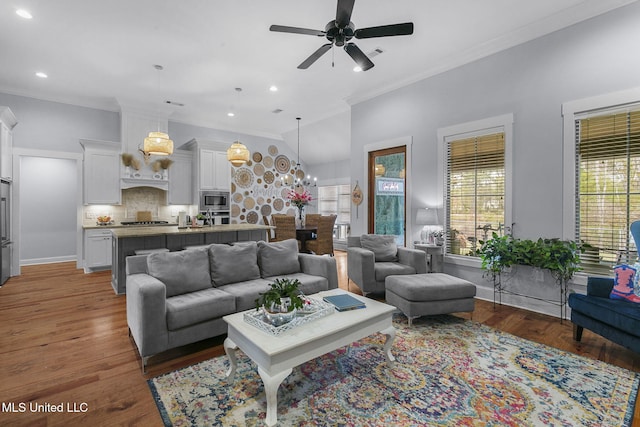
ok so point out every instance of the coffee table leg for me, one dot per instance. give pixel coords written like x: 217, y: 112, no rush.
x: 230, y: 348
x: 390, y: 333
x: 271, y: 384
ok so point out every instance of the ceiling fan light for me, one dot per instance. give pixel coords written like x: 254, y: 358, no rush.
x: 158, y: 143
x: 238, y: 154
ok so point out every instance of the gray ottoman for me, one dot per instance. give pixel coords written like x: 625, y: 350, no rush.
x: 428, y: 294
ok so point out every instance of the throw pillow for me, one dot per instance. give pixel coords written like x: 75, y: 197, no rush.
x: 383, y: 246
x: 181, y: 272
x: 233, y: 263
x: 278, y: 258
x: 623, y: 283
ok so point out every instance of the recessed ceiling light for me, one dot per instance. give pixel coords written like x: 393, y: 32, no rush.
x: 22, y: 13
x: 273, y: 88
x: 41, y: 75
x: 231, y: 114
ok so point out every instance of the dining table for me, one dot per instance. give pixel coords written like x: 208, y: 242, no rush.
x: 303, y: 234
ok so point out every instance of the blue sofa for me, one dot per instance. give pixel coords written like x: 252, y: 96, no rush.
x: 616, y: 320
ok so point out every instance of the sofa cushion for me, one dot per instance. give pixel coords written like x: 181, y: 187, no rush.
x: 383, y: 269
x: 195, y: 307
x: 619, y: 314
x: 246, y: 293
x: 278, y: 258
x: 181, y: 272
x: 383, y: 247
x: 623, y: 283
x: 233, y: 263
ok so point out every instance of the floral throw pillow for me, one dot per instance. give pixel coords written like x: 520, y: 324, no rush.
x: 623, y: 283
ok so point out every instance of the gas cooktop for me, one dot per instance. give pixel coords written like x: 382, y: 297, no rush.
x: 144, y: 222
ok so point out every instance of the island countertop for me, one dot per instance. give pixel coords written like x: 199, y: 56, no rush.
x: 143, y: 231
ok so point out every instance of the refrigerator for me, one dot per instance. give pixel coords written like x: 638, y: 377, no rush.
x: 5, y: 231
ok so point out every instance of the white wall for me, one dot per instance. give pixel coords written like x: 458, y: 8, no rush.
x: 531, y: 81
x: 48, y: 204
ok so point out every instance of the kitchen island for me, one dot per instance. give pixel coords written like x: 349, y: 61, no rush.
x: 127, y: 240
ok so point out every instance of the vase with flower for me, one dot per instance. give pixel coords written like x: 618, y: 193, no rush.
x: 299, y: 200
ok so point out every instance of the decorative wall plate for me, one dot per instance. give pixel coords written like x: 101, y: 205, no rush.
x: 252, y: 217
x: 249, y: 203
x: 267, y: 161
x: 278, y: 204
x: 258, y: 169
x: 285, y: 192
x: 235, y: 210
x: 237, y: 197
x: 282, y: 164
x: 300, y: 174
x: 273, y: 150
x: 265, y: 210
x: 269, y: 177
x: 243, y: 177
x: 257, y: 157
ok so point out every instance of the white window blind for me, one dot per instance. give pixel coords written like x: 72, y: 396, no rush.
x: 335, y: 200
x: 607, y: 186
x: 475, y: 190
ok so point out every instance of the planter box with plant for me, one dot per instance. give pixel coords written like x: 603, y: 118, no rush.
x: 560, y: 257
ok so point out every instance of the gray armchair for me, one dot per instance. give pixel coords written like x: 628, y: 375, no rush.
x: 371, y: 258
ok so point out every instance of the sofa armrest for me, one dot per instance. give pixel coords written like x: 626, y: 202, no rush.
x: 136, y: 264
x: 146, y: 313
x: 413, y: 257
x: 360, y: 266
x: 318, y: 265
x: 599, y: 286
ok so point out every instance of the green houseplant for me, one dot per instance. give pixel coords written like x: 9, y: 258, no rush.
x: 281, y: 300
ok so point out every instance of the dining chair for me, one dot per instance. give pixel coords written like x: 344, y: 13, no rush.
x: 285, y: 227
x: 311, y: 220
x: 323, y: 244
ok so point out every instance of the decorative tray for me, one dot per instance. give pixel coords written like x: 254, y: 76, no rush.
x: 316, y: 310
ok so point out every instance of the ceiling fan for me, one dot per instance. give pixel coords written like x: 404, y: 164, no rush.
x: 341, y: 30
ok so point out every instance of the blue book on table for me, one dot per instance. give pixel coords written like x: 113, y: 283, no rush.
x: 344, y: 302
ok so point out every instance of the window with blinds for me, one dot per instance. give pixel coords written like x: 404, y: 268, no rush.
x: 475, y: 190
x: 607, y: 186
x: 335, y: 200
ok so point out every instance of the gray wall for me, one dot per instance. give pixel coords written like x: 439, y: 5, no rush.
x: 531, y: 81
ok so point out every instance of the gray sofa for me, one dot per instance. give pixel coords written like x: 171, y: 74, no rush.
x: 177, y: 298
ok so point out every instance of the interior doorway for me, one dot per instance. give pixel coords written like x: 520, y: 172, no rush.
x: 387, y: 192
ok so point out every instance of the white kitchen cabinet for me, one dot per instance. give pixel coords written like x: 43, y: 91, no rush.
x: 181, y: 178
x: 97, y: 249
x: 215, y: 170
x: 7, y: 123
x: 101, y: 172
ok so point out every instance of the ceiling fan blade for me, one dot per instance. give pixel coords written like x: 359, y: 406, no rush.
x: 385, y: 31
x: 343, y: 12
x: 314, y: 56
x: 296, y: 30
x: 358, y: 56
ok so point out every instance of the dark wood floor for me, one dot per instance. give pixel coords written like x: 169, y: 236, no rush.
x: 64, y: 340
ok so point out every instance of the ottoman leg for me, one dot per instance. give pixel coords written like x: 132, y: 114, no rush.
x: 410, y: 319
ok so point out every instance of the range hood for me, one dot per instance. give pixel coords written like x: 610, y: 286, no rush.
x: 135, y: 125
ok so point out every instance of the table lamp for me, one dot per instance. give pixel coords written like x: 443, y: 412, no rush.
x: 428, y: 218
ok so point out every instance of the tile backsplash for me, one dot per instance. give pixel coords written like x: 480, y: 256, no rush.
x: 134, y: 200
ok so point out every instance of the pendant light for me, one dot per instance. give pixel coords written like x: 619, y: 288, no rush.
x: 295, y: 180
x: 237, y: 153
x: 157, y: 143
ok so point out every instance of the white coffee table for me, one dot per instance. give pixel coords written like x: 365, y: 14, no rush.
x: 277, y: 356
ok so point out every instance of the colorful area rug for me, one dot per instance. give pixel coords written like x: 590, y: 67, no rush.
x: 448, y: 372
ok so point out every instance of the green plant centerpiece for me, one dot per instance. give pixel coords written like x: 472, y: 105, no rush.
x: 281, y: 301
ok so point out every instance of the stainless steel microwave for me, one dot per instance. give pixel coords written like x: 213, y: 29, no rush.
x: 216, y: 201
